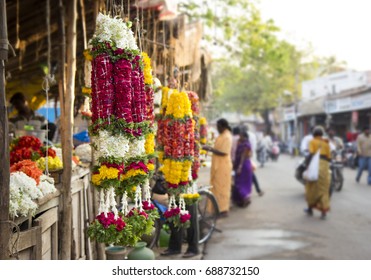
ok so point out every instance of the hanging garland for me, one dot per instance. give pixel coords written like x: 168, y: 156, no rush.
x: 121, y: 133
x: 203, y: 134
x: 175, y: 145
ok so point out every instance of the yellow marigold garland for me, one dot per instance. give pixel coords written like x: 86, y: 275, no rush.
x: 179, y: 105
x: 165, y: 98
x: 148, y: 79
x: 105, y: 173
x: 150, y: 143
x: 203, y: 121
x: 132, y: 173
x: 150, y: 166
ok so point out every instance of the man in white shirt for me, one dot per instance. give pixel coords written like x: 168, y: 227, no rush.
x: 304, y: 145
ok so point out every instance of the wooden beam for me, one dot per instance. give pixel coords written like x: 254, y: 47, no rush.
x: 67, y: 125
x: 4, y: 143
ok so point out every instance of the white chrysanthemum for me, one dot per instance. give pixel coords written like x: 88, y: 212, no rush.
x: 111, y: 146
x: 115, y: 30
x: 23, y: 191
x: 137, y: 148
x: 47, y: 185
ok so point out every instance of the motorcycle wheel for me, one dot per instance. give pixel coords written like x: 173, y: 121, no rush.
x: 338, y: 184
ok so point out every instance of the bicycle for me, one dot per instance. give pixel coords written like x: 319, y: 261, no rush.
x: 207, y: 215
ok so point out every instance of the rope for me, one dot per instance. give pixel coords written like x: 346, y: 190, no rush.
x: 46, y: 82
x: 139, y: 37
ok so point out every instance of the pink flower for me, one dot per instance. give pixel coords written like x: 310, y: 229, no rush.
x: 132, y: 212
x: 147, y: 205
x: 120, y: 224
x: 184, y: 218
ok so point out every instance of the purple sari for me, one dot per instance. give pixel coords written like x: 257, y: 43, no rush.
x: 243, y: 181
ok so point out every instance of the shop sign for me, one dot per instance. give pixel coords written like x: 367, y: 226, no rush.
x: 289, y: 114
x: 348, y: 104
x: 331, y: 106
x: 344, y: 104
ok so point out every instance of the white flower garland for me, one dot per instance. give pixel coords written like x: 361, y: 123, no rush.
x: 136, y: 148
x: 115, y: 30
x: 146, y: 191
x: 108, y: 145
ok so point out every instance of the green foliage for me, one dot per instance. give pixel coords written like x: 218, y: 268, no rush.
x: 110, y: 235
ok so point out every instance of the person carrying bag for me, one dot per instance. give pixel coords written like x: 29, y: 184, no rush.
x: 311, y: 173
x: 317, y: 174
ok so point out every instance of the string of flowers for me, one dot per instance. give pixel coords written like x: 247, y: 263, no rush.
x: 203, y: 134
x: 121, y: 133
x: 175, y: 148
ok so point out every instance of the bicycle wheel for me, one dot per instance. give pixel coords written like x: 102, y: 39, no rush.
x: 208, y: 211
x: 152, y: 239
x: 339, y: 180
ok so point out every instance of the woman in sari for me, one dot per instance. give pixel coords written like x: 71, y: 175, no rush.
x: 317, y: 192
x: 221, y: 166
x: 243, y: 172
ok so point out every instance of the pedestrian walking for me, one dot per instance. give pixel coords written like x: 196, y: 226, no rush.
x: 221, y: 166
x: 317, y: 192
x: 243, y: 172
x: 364, y: 154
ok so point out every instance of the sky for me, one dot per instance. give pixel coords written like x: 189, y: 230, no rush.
x: 333, y: 27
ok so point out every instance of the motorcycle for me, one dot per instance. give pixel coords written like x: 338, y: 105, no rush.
x: 300, y: 168
x: 350, y: 154
x: 274, y: 152
x: 336, y: 167
x: 261, y: 154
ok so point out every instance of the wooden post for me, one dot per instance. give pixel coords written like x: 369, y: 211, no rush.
x: 4, y: 143
x: 67, y: 125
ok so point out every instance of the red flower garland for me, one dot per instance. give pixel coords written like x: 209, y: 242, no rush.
x: 102, y: 87
x: 123, y: 90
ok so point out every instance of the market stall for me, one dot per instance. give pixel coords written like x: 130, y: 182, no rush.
x: 49, y: 52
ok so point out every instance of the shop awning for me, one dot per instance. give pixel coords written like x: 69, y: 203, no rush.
x: 312, y: 107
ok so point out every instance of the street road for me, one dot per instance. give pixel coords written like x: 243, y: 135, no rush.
x: 274, y: 226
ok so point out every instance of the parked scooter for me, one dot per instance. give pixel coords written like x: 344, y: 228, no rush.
x: 274, y: 151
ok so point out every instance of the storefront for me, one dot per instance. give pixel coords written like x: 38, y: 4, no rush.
x: 351, y: 113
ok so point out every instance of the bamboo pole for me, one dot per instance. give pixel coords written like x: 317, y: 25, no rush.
x: 4, y: 144
x: 67, y: 124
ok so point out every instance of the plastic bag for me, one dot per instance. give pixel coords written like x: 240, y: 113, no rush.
x: 311, y: 174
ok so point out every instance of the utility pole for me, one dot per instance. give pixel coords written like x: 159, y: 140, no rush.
x: 4, y: 144
x: 296, y: 93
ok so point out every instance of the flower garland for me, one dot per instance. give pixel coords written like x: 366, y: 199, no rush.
x: 203, y: 134
x: 122, y: 133
x: 196, y: 164
x: 175, y: 145
x: 177, y: 214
